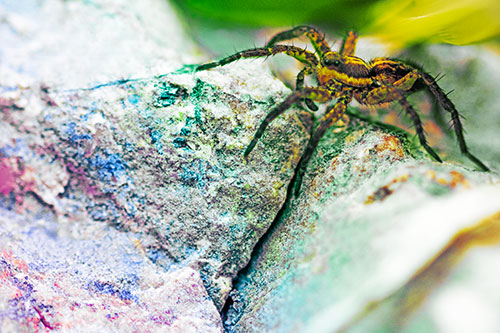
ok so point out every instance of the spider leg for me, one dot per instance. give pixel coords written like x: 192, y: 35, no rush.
x: 419, y: 129
x: 298, y: 53
x: 446, y: 104
x: 349, y: 44
x: 395, y: 91
x: 316, y: 38
x: 331, y: 116
x: 300, y: 84
x: 317, y: 94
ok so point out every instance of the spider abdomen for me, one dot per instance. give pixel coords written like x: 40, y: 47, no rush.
x: 388, y: 71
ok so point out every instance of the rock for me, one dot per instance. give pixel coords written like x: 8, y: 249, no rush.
x: 84, y: 43
x: 366, y: 222
x: 160, y: 157
x: 100, y: 281
x: 126, y: 203
x: 348, y: 253
x: 163, y: 158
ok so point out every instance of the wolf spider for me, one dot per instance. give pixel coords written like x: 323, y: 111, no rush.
x: 343, y: 76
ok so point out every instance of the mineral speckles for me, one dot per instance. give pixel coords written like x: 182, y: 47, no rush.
x: 9, y: 175
x: 109, y: 166
x: 163, y: 158
x: 118, y: 291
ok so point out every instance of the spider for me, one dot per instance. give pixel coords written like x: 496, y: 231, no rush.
x: 342, y: 77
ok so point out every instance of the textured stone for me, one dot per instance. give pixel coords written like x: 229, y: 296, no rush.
x: 98, y: 281
x: 163, y: 158
x: 74, y: 44
x: 126, y: 204
x: 365, y: 223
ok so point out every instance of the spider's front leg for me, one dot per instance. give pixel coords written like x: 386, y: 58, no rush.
x: 348, y: 48
x: 317, y: 94
x: 331, y: 116
x: 306, y: 57
x: 316, y: 38
x: 349, y: 44
x: 299, y: 85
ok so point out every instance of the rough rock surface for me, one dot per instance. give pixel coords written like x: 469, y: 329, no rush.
x: 159, y: 157
x: 126, y: 204
x: 74, y: 44
x: 362, y: 228
x: 97, y: 282
x: 374, y: 232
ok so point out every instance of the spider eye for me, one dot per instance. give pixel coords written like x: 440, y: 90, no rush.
x: 331, y: 62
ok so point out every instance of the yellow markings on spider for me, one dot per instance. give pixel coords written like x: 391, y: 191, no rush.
x: 344, y: 77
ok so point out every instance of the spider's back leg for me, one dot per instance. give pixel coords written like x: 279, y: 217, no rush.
x: 396, y: 92
x: 397, y: 84
x: 419, y: 129
x: 446, y: 104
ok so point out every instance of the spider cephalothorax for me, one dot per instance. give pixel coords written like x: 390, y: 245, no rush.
x: 341, y: 76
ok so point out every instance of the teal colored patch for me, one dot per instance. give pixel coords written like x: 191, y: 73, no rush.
x: 198, y: 174
x: 156, y: 137
x: 134, y: 99
x: 185, y: 131
x: 197, y: 114
x: 180, y: 142
x: 166, y: 95
x: 186, y: 69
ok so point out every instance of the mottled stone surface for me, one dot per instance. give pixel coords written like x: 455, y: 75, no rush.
x: 329, y: 259
x: 74, y: 44
x: 70, y: 258
x: 160, y: 157
x: 346, y: 253
x: 96, y: 281
x: 126, y: 203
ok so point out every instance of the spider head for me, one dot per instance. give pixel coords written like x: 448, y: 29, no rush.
x: 348, y: 70
x: 332, y: 60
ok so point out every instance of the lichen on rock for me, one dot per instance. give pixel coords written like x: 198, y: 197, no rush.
x: 163, y: 157
x: 126, y: 202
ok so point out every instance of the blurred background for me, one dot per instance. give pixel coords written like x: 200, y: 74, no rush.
x: 397, y: 23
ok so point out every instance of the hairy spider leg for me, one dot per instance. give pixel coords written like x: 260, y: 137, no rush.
x: 395, y: 91
x: 300, y: 84
x: 318, y: 94
x: 446, y: 104
x: 349, y: 44
x: 331, y: 116
x: 298, y: 53
x: 384, y: 67
x: 316, y: 38
x: 419, y: 129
